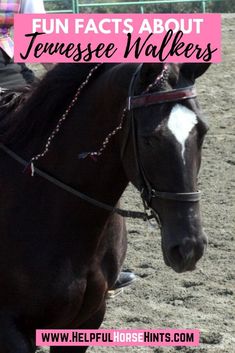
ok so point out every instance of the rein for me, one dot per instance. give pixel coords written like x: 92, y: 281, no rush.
x: 74, y: 192
x: 134, y: 102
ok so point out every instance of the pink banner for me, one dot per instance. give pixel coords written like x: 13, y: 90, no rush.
x: 111, y: 338
x: 118, y: 38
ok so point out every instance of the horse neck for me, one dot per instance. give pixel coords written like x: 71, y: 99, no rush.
x: 97, y: 113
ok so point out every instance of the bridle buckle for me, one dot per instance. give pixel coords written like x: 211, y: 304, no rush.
x: 153, y: 193
x: 129, y: 103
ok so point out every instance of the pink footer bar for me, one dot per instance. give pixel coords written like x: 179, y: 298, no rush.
x: 166, y: 337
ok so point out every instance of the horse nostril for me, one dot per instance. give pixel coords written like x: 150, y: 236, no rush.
x: 183, y: 252
x: 184, y: 256
x: 176, y: 255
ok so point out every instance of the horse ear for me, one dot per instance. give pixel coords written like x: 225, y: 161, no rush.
x: 149, y: 72
x: 194, y: 70
x: 147, y: 75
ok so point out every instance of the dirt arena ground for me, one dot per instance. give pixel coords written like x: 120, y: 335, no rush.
x: 203, y: 299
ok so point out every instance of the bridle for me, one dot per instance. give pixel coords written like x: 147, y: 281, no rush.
x: 148, y: 193
x: 134, y: 102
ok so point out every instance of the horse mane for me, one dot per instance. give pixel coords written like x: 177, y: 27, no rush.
x: 38, y: 112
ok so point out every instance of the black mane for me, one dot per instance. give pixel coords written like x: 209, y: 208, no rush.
x: 47, y: 101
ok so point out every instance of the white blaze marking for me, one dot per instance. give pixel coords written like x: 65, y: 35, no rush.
x: 181, y: 122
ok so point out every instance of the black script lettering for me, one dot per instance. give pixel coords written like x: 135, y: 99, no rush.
x: 187, y: 52
x: 198, y: 52
x: 70, y: 50
x: 177, y: 45
x: 151, y: 50
x: 66, y: 51
x: 88, y: 56
x: 110, y: 50
x: 206, y: 55
x: 164, y: 44
x: 179, y: 48
x: 100, y: 51
x: 34, y: 36
x: 78, y: 56
x: 136, y: 45
x: 38, y: 48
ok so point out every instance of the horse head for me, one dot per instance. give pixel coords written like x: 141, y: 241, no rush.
x: 163, y: 137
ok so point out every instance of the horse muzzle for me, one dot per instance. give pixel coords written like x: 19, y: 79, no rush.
x: 184, y: 255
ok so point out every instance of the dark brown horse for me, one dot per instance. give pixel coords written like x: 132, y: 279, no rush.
x: 59, y: 254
